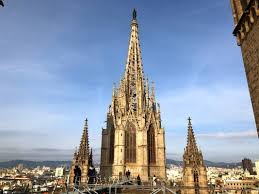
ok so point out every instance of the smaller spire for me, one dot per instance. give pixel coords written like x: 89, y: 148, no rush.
x: 75, y: 153
x: 84, y: 144
x: 191, y: 142
x: 90, y: 161
x: 153, y: 92
x: 114, y: 90
x: 147, y: 92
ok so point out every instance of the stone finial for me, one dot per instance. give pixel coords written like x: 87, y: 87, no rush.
x: 134, y: 14
x: 189, y: 121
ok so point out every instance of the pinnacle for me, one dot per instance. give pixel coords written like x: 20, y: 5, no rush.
x: 191, y: 143
x: 189, y: 122
x: 134, y: 14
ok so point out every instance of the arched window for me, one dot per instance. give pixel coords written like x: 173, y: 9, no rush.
x: 196, y: 181
x: 130, y: 144
x: 151, y: 145
x: 111, y: 156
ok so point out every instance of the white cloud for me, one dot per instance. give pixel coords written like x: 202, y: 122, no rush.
x: 230, y: 135
x: 213, y: 105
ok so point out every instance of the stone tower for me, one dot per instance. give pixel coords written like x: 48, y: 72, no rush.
x: 246, y: 20
x: 133, y: 139
x: 194, y: 170
x: 80, y: 163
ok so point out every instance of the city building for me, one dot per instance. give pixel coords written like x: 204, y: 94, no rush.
x: 59, y: 172
x: 257, y: 167
x: 194, y: 170
x: 133, y: 139
x: 242, y: 186
x: 247, y: 165
x: 80, y: 163
x: 246, y: 13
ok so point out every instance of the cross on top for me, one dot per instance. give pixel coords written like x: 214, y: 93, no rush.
x: 189, y: 119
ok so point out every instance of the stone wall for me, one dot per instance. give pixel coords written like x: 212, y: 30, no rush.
x: 250, y: 51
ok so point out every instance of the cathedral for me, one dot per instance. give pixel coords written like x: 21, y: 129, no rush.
x: 194, y: 170
x: 133, y: 138
x: 246, y: 20
x: 82, y: 160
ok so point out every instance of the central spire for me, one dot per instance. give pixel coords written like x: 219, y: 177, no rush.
x: 134, y: 78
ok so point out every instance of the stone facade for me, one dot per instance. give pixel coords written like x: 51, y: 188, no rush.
x: 133, y: 139
x: 246, y: 19
x: 194, y: 171
x: 81, y: 161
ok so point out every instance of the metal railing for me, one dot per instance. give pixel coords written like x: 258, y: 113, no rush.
x: 115, y: 186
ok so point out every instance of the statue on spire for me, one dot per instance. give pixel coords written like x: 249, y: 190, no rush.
x: 189, y: 121
x: 134, y: 14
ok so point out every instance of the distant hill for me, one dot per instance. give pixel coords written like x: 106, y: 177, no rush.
x: 54, y: 164
x: 33, y: 164
x: 207, y: 163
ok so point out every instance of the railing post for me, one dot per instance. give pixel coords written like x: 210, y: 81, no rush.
x: 110, y: 189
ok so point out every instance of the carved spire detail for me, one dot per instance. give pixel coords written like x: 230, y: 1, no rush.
x: 90, y: 160
x: 84, y: 144
x: 192, y: 155
x: 191, y: 142
x: 194, y: 170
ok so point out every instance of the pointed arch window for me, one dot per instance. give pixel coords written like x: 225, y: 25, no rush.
x: 151, y: 145
x: 196, y: 181
x: 111, y: 156
x: 130, y: 144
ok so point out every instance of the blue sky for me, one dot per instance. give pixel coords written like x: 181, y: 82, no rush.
x: 59, y: 60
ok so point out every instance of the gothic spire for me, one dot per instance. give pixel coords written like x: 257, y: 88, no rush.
x: 75, y: 153
x: 147, y: 92
x: 192, y: 155
x: 90, y: 160
x: 134, y: 78
x: 153, y: 93
x: 191, y: 142
x: 84, y: 144
x: 194, y: 170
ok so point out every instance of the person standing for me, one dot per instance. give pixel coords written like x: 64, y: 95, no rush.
x: 138, y: 180
x: 154, y: 181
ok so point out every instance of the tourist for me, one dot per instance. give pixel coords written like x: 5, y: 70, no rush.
x: 138, y: 180
x: 154, y: 180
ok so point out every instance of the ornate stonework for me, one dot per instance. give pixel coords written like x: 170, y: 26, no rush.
x: 246, y: 14
x: 133, y: 139
x: 82, y: 160
x: 194, y: 170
